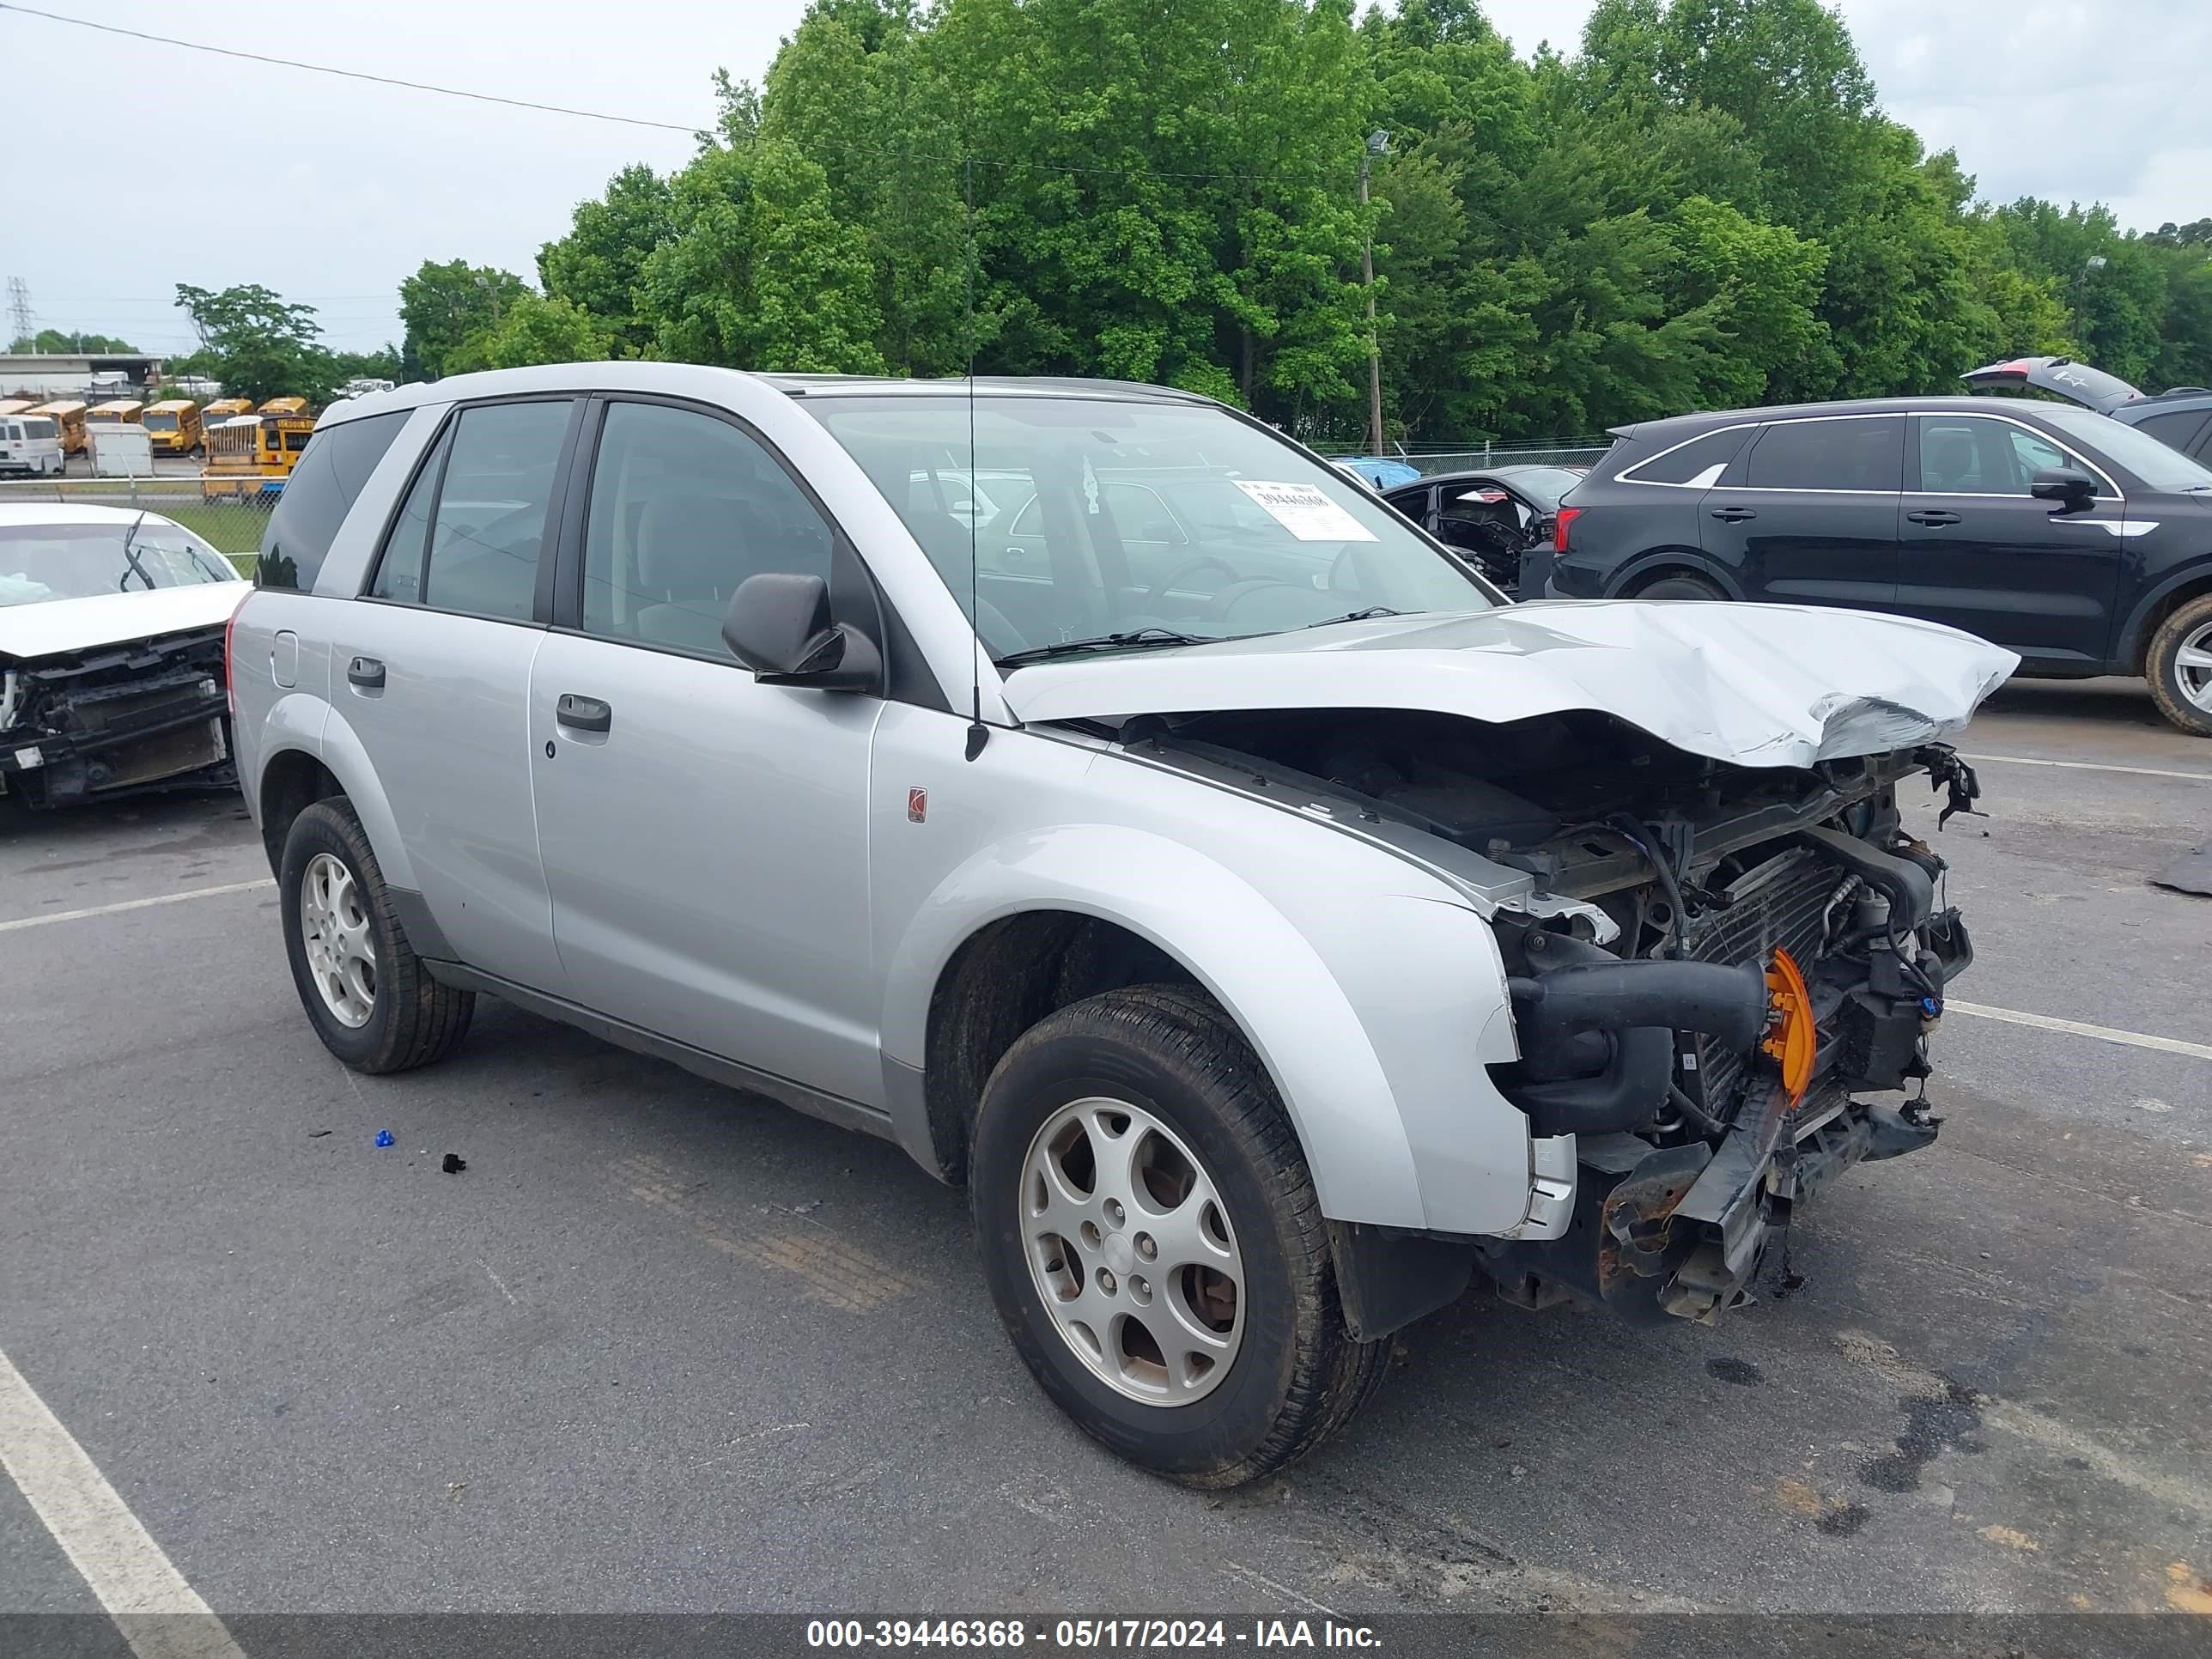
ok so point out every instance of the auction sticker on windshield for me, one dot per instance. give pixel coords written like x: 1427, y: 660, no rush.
x: 1305, y: 512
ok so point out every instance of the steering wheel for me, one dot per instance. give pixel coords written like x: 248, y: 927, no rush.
x: 1157, y: 595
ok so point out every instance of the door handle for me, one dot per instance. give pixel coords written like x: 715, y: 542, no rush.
x: 1933, y: 515
x: 1733, y: 514
x: 583, y: 713
x: 365, y: 672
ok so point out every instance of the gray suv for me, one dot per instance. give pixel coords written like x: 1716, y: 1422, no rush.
x: 1269, y: 925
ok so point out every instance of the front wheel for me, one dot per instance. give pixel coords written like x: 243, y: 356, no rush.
x: 365, y: 990
x: 1151, y: 1237
x: 2180, y: 667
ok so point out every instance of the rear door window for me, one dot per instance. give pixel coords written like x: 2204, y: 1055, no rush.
x: 1862, y: 455
x: 471, y: 533
x: 317, y: 497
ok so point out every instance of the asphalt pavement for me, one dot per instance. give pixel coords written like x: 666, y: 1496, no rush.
x: 664, y: 1347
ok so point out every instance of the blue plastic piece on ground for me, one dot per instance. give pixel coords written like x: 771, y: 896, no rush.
x: 384, y: 1137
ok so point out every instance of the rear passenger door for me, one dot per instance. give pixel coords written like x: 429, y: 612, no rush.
x: 705, y: 836
x: 1808, y: 513
x: 430, y: 671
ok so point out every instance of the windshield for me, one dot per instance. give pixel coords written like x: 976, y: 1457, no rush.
x: 2150, y: 461
x: 1176, y: 522
x: 41, y: 561
x: 1545, y: 486
x: 158, y: 422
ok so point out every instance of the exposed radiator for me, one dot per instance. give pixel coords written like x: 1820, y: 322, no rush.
x: 1780, y: 903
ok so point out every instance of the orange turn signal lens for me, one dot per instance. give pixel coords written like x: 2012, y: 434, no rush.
x: 1791, y: 1040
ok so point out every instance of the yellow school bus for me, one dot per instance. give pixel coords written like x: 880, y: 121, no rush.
x: 284, y: 406
x: 223, y: 409
x: 173, y: 426
x: 68, y: 416
x: 250, y: 456
x: 116, y: 411
x: 16, y: 405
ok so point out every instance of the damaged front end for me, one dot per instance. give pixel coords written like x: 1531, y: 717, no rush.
x: 1708, y: 964
x: 117, y: 719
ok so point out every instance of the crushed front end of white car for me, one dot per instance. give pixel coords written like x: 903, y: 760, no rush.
x: 112, y: 671
x: 1725, y: 953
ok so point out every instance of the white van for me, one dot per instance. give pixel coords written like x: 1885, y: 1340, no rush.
x: 31, y: 444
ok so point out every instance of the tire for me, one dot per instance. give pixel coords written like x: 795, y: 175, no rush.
x: 1178, y: 1074
x: 411, y: 1020
x: 2176, y: 668
x: 1679, y: 588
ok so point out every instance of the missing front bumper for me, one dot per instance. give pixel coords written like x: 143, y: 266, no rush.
x: 1680, y: 1232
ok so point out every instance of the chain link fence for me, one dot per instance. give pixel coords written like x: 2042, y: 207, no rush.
x: 1433, y: 461
x: 231, y: 525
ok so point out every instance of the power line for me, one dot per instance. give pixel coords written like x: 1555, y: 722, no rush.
x: 890, y: 151
x: 348, y: 74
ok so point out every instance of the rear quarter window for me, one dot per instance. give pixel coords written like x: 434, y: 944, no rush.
x: 1703, y: 458
x: 317, y: 497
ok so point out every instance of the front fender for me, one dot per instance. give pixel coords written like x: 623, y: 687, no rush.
x: 2133, y: 644
x: 1368, y: 1008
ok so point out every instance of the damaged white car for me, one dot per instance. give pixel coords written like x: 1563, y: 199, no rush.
x: 1271, y: 928
x: 111, y: 655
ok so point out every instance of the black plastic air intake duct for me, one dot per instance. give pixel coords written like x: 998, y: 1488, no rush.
x: 1597, y: 1032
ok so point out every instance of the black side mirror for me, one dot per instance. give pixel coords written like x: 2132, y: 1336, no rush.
x: 779, y: 626
x: 2069, y: 486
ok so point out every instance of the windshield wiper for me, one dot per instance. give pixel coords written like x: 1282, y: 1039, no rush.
x: 123, y: 582
x: 1368, y: 615
x: 1134, y: 637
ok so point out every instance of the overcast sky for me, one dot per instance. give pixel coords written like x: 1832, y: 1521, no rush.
x: 330, y: 190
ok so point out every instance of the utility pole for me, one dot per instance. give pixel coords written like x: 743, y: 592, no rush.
x: 1378, y: 144
x: 19, y: 309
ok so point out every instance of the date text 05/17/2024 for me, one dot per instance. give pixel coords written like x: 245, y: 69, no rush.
x: 1086, y: 1635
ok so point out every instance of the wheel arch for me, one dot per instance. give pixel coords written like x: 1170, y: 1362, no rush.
x: 2175, y: 590
x: 1014, y: 932
x: 1662, y: 562
x: 343, y: 756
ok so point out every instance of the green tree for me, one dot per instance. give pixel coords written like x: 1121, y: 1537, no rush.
x: 533, y: 330
x: 258, y: 344
x: 757, y: 273
x: 54, y: 341
x: 443, y: 305
x: 595, y: 267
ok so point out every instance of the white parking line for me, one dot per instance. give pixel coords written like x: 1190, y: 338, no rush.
x: 2076, y: 1028
x: 135, y: 904
x: 156, y: 1611
x: 2088, y: 766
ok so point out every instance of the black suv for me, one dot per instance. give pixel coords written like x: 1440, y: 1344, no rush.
x: 2180, y: 418
x: 2079, y: 541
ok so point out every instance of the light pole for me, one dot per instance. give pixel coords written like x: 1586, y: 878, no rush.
x: 1378, y: 144
x: 2090, y: 266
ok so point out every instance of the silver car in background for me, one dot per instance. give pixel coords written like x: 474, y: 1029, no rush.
x: 1269, y: 925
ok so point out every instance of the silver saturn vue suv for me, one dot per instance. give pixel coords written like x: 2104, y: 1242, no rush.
x: 1104, y: 798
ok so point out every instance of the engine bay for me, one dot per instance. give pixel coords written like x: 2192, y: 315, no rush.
x: 1776, y: 948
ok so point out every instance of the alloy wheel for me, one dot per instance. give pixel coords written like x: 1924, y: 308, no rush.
x: 341, y: 951
x: 1131, y: 1251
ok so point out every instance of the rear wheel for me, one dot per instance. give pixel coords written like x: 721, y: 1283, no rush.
x: 1152, y: 1240
x: 2180, y: 667
x: 1679, y: 588
x: 364, y: 988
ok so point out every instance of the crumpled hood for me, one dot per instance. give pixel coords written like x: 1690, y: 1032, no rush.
x: 1753, y: 684
x: 52, y: 626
